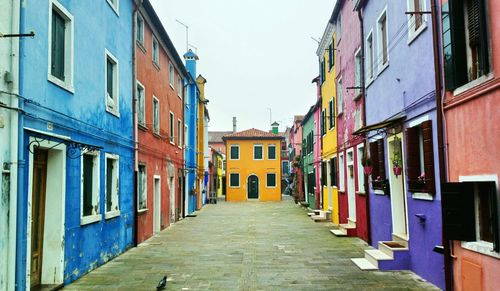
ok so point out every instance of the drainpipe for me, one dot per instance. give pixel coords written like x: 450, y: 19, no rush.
x: 14, y: 146
x: 439, y: 121
x: 363, y: 95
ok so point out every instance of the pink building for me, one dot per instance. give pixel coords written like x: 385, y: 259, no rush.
x: 296, y: 145
x: 318, y: 164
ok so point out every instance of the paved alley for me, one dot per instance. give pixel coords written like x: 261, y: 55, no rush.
x: 246, y: 246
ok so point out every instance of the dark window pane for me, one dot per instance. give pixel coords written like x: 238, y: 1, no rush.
x: 235, y: 153
x: 109, y: 77
x: 88, y: 169
x: 257, y: 152
x: 235, y: 180
x: 271, y: 180
x: 109, y: 183
x: 485, y: 212
x: 271, y: 153
x: 58, y: 45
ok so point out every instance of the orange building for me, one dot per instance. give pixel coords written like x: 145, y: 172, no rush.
x: 253, y: 170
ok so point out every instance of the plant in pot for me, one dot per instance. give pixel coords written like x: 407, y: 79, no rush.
x: 366, y: 162
x: 397, y: 165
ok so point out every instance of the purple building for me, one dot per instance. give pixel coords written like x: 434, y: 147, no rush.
x: 401, y: 128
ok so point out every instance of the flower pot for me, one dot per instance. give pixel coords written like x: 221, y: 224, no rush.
x: 368, y: 170
x: 397, y: 170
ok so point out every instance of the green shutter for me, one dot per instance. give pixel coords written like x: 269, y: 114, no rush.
x: 58, y: 43
x: 455, y: 65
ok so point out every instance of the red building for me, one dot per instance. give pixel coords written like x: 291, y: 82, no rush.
x: 159, y: 96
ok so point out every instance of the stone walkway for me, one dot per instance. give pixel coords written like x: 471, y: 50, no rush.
x: 246, y: 246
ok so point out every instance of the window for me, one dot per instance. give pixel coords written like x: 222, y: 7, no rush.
x: 171, y: 123
x: 112, y: 187
x: 257, y: 152
x: 339, y: 27
x: 420, y: 158
x: 156, y: 52
x: 331, y: 114
x: 141, y: 105
x: 140, y: 29
x: 90, y: 188
x: 377, y: 158
x: 285, y: 167
x: 323, y: 174
x: 171, y: 76
x: 361, y: 175
x: 271, y: 152
x: 470, y: 213
x: 61, y: 47
x: 234, y: 180
x: 322, y: 73
x: 142, y: 188
x: 283, y: 145
x: 331, y: 56
x: 333, y: 172
x: 111, y: 83
x: 341, y: 172
x: 357, y: 72
x: 466, y: 55
x: 369, y: 56
x: 234, y: 152
x: 416, y: 20
x: 156, y: 115
x: 271, y: 180
x: 114, y: 5
x: 340, y: 99
x: 179, y: 86
x: 383, y: 42
x: 323, y: 122
x: 179, y: 132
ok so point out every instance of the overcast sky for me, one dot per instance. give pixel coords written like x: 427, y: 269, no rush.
x: 254, y: 54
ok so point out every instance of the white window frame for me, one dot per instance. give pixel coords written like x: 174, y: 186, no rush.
x: 339, y: 27
x: 155, y: 56
x: 253, y: 153
x: 381, y: 66
x: 140, y: 210
x: 179, y: 86
x: 275, y: 152
x: 239, y: 180
x: 171, y: 76
x: 179, y: 133
x: 361, y: 174
x: 332, y: 114
x: 67, y: 84
x: 186, y: 135
x: 115, y: 187
x: 275, y: 180
x: 357, y: 73
x: 369, y: 58
x: 283, y: 166
x: 143, y: 103
x: 140, y: 30
x: 115, y: 6
x: 340, y: 96
x: 412, y: 32
x: 341, y: 172
x: 95, y: 189
x: 171, y: 122
x: 113, y: 108
x: 236, y: 146
x: 156, y: 123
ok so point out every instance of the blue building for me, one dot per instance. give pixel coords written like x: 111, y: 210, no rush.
x: 76, y: 151
x: 191, y: 120
x: 402, y: 134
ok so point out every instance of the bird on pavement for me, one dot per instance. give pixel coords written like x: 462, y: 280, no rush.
x: 162, y: 284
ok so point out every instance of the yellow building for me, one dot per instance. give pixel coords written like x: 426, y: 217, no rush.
x: 202, y: 146
x: 219, y: 166
x: 326, y: 56
x: 253, y: 166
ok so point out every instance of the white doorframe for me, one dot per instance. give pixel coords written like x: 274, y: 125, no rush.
x: 399, y: 208
x: 156, y: 204
x: 351, y: 195
x: 172, y: 198
x: 54, y: 226
x: 329, y: 184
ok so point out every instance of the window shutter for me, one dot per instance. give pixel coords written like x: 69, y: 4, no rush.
x: 457, y: 202
x: 484, y: 66
x: 412, y: 154
x: 333, y: 171
x: 430, y: 182
x: 454, y: 44
x: 495, y: 223
x: 58, y: 43
x: 381, y: 158
x: 374, y: 159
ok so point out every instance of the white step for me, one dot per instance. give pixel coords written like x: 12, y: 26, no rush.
x: 364, y: 264
x: 339, y: 232
x: 311, y: 213
x: 373, y: 256
x: 347, y: 225
x: 388, y: 250
x: 318, y: 218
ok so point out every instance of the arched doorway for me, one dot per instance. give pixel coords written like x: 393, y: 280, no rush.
x: 253, y: 187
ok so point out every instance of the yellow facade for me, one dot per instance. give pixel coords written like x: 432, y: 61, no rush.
x: 200, y: 148
x: 329, y: 140
x: 246, y: 166
x: 220, y: 163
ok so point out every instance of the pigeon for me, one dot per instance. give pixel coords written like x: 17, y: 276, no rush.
x: 162, y: 284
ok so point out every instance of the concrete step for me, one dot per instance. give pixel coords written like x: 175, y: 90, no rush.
x: 339, y: 232
x: 389, y: 247
x: 374, y: 256
x: 318, y: 218
x: 363, y: 264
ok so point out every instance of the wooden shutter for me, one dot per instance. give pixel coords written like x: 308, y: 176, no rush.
x: 381, y: 158
x: 495, y: 217
x: 58, y: 44
x: 333, y: 172
x: 457, y: 202
x: 484, y: 66
x: 430, y: 182
x: 374, y: 159
x: 412, y: 154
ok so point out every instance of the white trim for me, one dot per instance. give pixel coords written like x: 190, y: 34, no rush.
x: 418, y: 120
x: 179, y: 83
x: 275, y: 180
x: 473, y: 83
x: 369, y: 80
x: 275, y: 152
x: 115, y: 6
x: 234, y: 145
x: 142, y: 210
x: 253, y: 153
x: 360, y: 172
x: 340, y: 88
x: 412, y: 33
x: 115, y: 187
x: 68, y: 83
x: 156, y: 131
x: 143, y: 102
x: 171, y: 121
x: 157, y: 61
x: 381, y: 66
x: 171, y: 75
x: 96, y: 188
x: 179, y: 133
x: 422, y: 196
x: 341, y: 184
x: 239, y: 180
x: 141, y: 42
x: 156, y: 205
x: 116, y: 83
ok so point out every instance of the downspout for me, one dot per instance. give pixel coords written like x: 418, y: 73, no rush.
x: 439, y: 121
x: 363, y: 114
x: 14, y: 143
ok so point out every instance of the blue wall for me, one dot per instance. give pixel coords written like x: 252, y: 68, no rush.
x: 83, y: 117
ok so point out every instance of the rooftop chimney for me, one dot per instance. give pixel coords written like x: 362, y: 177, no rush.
x: 234, y: 124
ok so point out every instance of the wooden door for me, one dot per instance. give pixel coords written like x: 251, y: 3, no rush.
x: 253, y: 187
x: 38, y: 214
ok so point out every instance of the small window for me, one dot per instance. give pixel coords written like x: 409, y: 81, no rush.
x: 257, y: 152
x: 234, y: 180
x: 333, y: 172
x: 111, y: 83
x: 369, y: 56
x: 234, y: 152
x: 271, y: 152
x: 179, y: 132
x: 331, y: 56
x: 323, y: 123
x: 112, y: 186
x: 420, y: 158
x: 286, y: 167
x: 271, y: 180
x: 331, y: 114
x: 140, y: 29
x: 142, y: 196
x: 341, y: 172
x: 60, y: 48
x: 156, y: 52
x: 361, y: 175
x: 179, y: 86
x: 172, y: 126
x: 156, y: 115
x: 415, y: 20
x: 340, y: 98
x: 171, y: 75
x: 383, y: 41
x: 90, y: 185
x: 141, y: 105
x: 339, y: 27
x: 357, y: 72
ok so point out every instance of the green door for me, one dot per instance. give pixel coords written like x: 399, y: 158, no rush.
x: 253, y: 187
